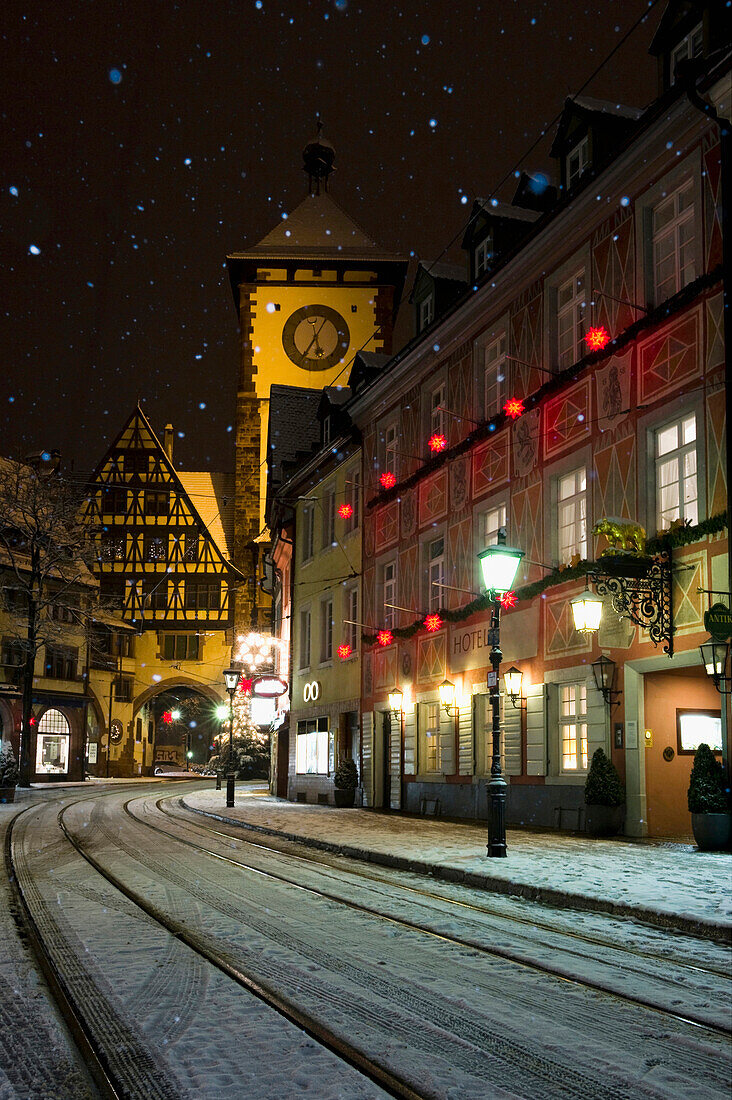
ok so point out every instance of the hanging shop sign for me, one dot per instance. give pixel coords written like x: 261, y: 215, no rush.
x: 718, y: 621
x: 116, y: 731
x: 311, y: 691
x: 269, y: 687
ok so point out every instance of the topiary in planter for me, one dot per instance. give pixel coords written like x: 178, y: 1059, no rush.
x: 603, y: 787
x: 8, y: 774
x: 707, y: 793
x: 346, y: 775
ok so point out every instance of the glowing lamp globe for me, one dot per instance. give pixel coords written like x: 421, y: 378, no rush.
x: 222, y: 712
x: 396, y: 698
x: 231, y: 678
x: 714, y: 657
x: 500, y: 564
x: 176, y: 715
x: 586, y: 611
x: 512, y: 681
x: 447, y: 693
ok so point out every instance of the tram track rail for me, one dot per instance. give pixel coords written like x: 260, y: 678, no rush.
x: 496, y: 951
x: 103, y: 1070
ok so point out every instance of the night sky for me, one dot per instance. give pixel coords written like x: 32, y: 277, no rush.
x: 143, y: 140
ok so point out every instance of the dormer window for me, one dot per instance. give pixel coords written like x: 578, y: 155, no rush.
x: 691, y: 45
x: 577, y: 161
x: 426, y: 312
x: 483, y: 253
x: 327, y: 428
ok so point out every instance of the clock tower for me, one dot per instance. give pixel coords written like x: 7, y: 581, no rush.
x: 309, y: 295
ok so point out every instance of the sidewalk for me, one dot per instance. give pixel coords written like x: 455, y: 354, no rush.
x: 669, y: 884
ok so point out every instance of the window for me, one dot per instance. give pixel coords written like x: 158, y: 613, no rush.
x: 435, y: 572
x: 572, y: 515
x: 138, y: 730
x: 123, y: 689
x: 673, y: 243
x: 491, y: 521
x: 122, y: 645
x: 433, y: 753
x: 691, y: 45
x: 179, y: 647
x: 156, y: 595
x: 327, y: 428
x: 307, y: 530
x: 305, y: 639
x: 389, y: 589
x: 12, y: 654
x: 328, y: 506
x: 52, y: 743
x: 437, y: 415
x: 573, y: 726
x: 676, y: 476
x: 353, y: 497
x: 61, y: 662
x: 136, y: 462
x: 352, y: 631
x: 571, y: 319
x: 156, y: 503
x: 114, y: 501
x: 113, y: 546
x: 191, y: 545
x: 390, y: 457
x: 326, y: 630
x: 483, y: 255
x: 64, y: 607
x: 203, y: 595
x: 426, y: 312
x: 494, y: 376
x: 312, y: 747
x: 577, y: 160
x: 696, y: 726
x: 154, y: 547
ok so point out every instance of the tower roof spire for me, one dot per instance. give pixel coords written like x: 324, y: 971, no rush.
x: 318, y: 156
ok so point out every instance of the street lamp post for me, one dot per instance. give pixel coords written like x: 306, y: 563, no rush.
x: 499, y: 564
x: 231, y: 679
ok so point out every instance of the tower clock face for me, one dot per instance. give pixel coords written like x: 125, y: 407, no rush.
x: 315, y: 337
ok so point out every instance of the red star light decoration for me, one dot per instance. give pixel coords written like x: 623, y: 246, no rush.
x: 345, y: 511
x: 437, y: 442
x: 388, y: 480
x: 344, y: 652
x: 245, y: 685
x: 507, y: 600
x: 597, y: 338
x: 384, y: 638
x: 513, y: 407
x: 432, y: 623
x: 167, y: 717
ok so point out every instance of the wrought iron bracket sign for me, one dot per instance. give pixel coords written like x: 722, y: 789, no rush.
x: 639, y: 590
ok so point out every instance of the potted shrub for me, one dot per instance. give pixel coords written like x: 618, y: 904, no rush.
x: 604, y: 796
x: 708, y: 801
x: 8, y: 774
x: 345, y: 782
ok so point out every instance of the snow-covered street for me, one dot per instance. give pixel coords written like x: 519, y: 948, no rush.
x: 243, y: 965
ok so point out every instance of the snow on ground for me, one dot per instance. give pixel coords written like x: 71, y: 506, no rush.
x: 674, y: 881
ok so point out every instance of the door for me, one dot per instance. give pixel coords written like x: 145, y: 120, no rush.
x: 283, y: 760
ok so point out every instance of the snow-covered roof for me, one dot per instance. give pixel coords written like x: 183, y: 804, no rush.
x: 212, y: 495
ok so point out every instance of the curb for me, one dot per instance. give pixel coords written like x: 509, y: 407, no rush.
x: 545, y: 895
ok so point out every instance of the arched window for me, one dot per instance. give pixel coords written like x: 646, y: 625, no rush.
x: 52, y: 743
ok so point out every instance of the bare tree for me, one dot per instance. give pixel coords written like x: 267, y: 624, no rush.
x: 46, y: 586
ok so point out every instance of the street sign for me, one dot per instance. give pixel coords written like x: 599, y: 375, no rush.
x: 269, y: 687
x: 718, y: 621
x: 491, y: 679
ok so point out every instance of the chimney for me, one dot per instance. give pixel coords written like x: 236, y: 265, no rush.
x: 168, y: 441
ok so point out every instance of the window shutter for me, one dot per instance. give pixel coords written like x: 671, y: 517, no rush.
x: 597, y: 722
x: 410, y: 742
x: 395, y: 765
x: 536, y: 730
x: 367, y: 757
x: 447, y: 739
x: 466, y: 751
x: 511, y: 725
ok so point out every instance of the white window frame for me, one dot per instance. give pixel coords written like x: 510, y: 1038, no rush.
x: 673, y: 234
x: 307, y: 516
x: 438, y: 398
x: 571, y: 312
x: 495, y: 375
x: 353, y: 497
x: 578, y: 160
x: 328, y: 516
x: 685, y: 458
x: 312, y: 746
x: 304, y: 641
x: 388, y: 586
x: 434, y: 570
x: 351, y: 612
x: 572, y: 513
x: 573, y: 717
x: 426, y: 312
x: 690, y: 46
x: 326, y: 631
x: 483, y: 253
x: 390, y: 455
x: 431, y: 737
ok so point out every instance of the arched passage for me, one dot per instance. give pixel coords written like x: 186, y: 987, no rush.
x: 178, y: 719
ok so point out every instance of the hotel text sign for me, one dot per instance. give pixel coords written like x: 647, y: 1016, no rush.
x: 470, y: 646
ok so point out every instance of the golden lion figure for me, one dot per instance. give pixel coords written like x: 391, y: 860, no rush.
x: 622, y: 536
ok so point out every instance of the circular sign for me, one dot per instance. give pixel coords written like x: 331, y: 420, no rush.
x: 269, y: 687
x: 718, y: 621
x: 315, y: 337
x: 311, y: 692
x: 116, y: 732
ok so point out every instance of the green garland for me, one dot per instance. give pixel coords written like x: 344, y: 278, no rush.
x: 668, y: 540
